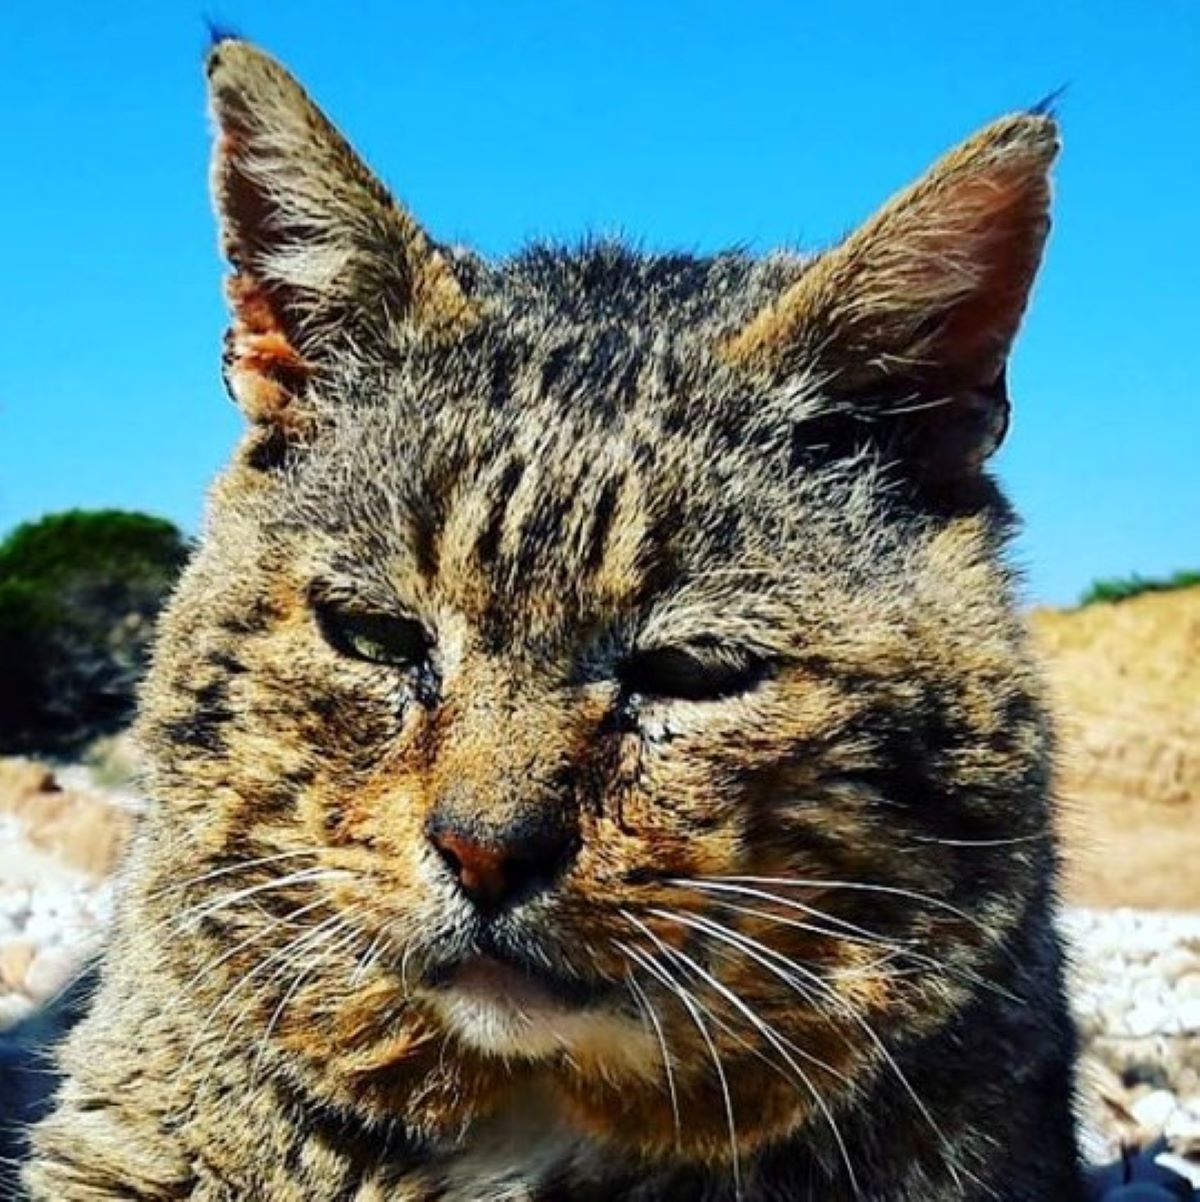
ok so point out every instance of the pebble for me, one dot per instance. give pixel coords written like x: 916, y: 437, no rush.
x: 14, y: 903
x: 1188, y: 1015
x: 14, y: 1007
x: 1155, y: 1109
x: 51, y: 971
x: 15, y: 959
x: 1133, y: 987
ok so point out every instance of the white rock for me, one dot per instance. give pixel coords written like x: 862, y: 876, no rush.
x: 1144, y: 1020
x: 1147, y: 991
x: 13, y: 1008
x: 1154, y: 1110
x: 51, y: 971
x: 14, y: 904
x: 43, y: 929
x: 1188, y: 985
x: 1181, y: 1124
x: 1187, y: 1016
x: 1177, y: 963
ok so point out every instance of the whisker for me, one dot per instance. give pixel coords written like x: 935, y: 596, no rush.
x: 865, y: 970
x: 228, y: 997
x: 369, y: 960
x: 288, y: 953
x: 862, y: 887
x: 897, y: 950
x: 694, y: 922
x: 689, y: 1005
x: 947, y: 1146
x: 206, y: 970
x: 405, y: 956
x: 825, y: 989
x: 672, y: 985
x: 192, y: 916
x: 1036, y: 838
x: 303, y: 975
x: 778, y: 1041
x: 226, y: 870
x: 647, y: 1008
x: 725, y: 885
x: 908, y: 946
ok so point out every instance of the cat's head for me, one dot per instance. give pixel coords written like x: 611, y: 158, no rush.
x: 600, y: 669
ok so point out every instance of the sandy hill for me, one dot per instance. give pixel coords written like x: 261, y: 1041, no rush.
x: 1126, y: 683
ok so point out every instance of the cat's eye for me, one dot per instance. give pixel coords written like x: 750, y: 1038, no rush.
x: 378, y: 638
x: 699, y: 672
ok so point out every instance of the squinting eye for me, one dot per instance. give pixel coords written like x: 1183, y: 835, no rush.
x: 691, y: 673
x: 378, y: 638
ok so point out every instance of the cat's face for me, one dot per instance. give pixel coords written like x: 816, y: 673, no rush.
x: 599, y: 672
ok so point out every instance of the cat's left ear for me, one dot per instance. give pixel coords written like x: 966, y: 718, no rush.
x: 907, y: 324
x: 323, y: 257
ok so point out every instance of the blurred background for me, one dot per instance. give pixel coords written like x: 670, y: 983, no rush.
x: 694, y: 126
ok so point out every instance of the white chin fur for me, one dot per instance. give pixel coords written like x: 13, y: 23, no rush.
x: 612, y: 1041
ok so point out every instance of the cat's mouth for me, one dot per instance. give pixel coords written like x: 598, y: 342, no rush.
x: 496, y: 1002
x: 497, y: 978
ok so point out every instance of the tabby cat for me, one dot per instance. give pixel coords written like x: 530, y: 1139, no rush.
x: 595, y: 749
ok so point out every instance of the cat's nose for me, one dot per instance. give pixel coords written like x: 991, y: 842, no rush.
x: 498, y: 867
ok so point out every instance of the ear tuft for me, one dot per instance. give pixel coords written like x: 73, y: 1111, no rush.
x: 1048, y: 105
x: 218, y: 33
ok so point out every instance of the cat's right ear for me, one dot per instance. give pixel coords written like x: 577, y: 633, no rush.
x: 323, y: 258
x: 908, y: 323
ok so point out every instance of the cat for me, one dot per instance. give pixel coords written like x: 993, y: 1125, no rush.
x: 596, y: 751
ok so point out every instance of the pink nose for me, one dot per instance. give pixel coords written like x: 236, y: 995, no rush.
x: 483, y: 870
x: 499, y: 868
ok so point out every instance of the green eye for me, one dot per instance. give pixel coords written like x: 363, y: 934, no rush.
x: 375, y: 637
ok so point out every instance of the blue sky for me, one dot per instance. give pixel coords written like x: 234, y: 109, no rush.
x: 686, y: 125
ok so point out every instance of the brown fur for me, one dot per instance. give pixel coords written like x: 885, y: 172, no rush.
x: 811, y: 906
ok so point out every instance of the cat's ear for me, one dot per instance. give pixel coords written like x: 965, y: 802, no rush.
x: 907, y: 324
x: 322, y: 256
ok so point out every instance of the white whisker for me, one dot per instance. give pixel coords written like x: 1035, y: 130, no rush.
x: 690, y: 1006
x: 862, y: 887
x: 192, y: 916
x: 824, y: 988
x: 226, y: 870
x: 647, y: 1008
x: 779, y: 1042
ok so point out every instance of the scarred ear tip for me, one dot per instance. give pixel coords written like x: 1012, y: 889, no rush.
x: 1033, y: 135
x: 234, y: 61
x: 219, y: 39
x: 1043, y: 133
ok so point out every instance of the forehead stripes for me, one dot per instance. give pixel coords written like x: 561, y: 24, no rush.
x: 491, y: 533
x: 575, y: 532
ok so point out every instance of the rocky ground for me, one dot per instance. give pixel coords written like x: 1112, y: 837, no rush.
x: 1135, y: 989
x: 61, y: 836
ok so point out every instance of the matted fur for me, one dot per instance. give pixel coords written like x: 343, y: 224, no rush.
x: 800, y: 929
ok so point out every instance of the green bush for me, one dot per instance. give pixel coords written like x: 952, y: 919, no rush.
x: 1130, y: 586
x: 79, y: 592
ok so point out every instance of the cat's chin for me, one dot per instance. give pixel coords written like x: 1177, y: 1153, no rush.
x: 498, y: 1011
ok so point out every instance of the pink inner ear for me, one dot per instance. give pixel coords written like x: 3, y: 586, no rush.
x: 264, y: 370
x: 995, y: 225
